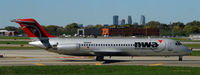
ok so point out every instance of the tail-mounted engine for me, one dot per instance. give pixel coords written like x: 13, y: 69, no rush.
x: 67, y: 47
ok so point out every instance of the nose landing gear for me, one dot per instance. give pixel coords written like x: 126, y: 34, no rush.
x: 180, y: 58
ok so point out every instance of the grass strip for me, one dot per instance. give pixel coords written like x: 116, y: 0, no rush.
x: 17, y: 48
x: 14, y: 42
x: 98, y: 70
x: 13, y: 37
x: 195, y: 53
x: 192, y: 45
x: 184, y: 40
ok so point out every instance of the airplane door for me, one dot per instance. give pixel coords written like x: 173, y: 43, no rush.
x: 169, y: 46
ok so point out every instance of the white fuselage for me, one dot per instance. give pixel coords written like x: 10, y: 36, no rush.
x: 116, y: 47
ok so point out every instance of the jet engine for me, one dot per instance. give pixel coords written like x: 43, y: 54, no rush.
x: 68, y: 47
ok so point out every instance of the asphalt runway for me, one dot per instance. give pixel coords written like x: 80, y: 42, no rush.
x: 43, y: 58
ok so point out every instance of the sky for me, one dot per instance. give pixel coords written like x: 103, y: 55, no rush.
x: 92, y: 12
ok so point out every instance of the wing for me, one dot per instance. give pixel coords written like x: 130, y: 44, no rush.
x: 109, y: 52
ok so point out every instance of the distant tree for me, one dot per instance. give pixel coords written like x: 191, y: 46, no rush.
x: 60, y: 30
x: 113, y: 26
x: 177, y: 28
x: 52, y: 29
x: 193, y: 29
x: 126, y: 26
x: 165, y: 32
x: 72, y: 26
x: 153, y: 24
x: 180, y: 24
x: 20, y: 31
x: 98, y: 26
x: 71, y: 29
x: 164, y: 26
x: 193, y: 23
x: 11, y: 28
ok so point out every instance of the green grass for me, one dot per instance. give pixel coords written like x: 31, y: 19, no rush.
x: 17, y: 48
x: 14, y: 42
x: 13, y: 37
x: 192, y: 45
x: 98, y: 70
x: 184, y: 40
x: 195, y: 53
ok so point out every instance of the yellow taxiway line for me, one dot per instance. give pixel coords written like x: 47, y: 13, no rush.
x: 158, y: 64
x: 39, y: 64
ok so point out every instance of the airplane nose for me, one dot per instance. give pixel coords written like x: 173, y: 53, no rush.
x: 188, y: 51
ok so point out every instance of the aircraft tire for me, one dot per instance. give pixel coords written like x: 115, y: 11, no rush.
x: 180, y: 58
x: 99, y: 58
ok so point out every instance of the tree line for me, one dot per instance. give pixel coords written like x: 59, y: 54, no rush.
x: 172, y: 29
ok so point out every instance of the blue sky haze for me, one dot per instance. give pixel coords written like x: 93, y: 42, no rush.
x: 63, y: 12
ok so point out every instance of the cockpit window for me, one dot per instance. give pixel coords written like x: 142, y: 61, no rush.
x: 178, y: 43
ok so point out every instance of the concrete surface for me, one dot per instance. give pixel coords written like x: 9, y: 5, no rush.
x: 42, y: 58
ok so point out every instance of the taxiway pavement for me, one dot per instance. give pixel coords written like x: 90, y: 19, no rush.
x: 42, y: 58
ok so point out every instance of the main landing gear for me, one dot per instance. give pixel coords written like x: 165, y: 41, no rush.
x: 99, y: 58
x: 180, y: 58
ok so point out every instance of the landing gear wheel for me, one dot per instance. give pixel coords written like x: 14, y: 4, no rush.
x: 99, y: 58
x: 180, y: 58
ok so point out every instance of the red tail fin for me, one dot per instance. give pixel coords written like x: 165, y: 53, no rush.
x: 32, y: 28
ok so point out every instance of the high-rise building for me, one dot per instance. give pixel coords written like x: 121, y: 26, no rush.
x: 142, y: 20
x: 80, y: 25
x: 129, y: 20
x: 115, y: 19
x: 122, y: 22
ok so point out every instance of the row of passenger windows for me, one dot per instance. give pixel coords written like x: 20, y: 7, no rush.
x: 106, y: 44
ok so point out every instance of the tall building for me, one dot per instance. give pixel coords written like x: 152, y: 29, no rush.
x: 129, y: 20
x: 122, y: 22
x: 142, y: 20
x: 115, y: 19
x: 80, y: 25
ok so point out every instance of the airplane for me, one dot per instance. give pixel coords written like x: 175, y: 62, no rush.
x: 101, y: 47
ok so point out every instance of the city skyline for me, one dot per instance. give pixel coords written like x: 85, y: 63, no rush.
x: 115, y: 20
x: 129, y: 20
x: 122, y: 22
x: 91, y: 12
x: 142, y: 20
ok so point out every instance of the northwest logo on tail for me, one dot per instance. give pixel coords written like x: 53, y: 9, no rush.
x: 32, y: 28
